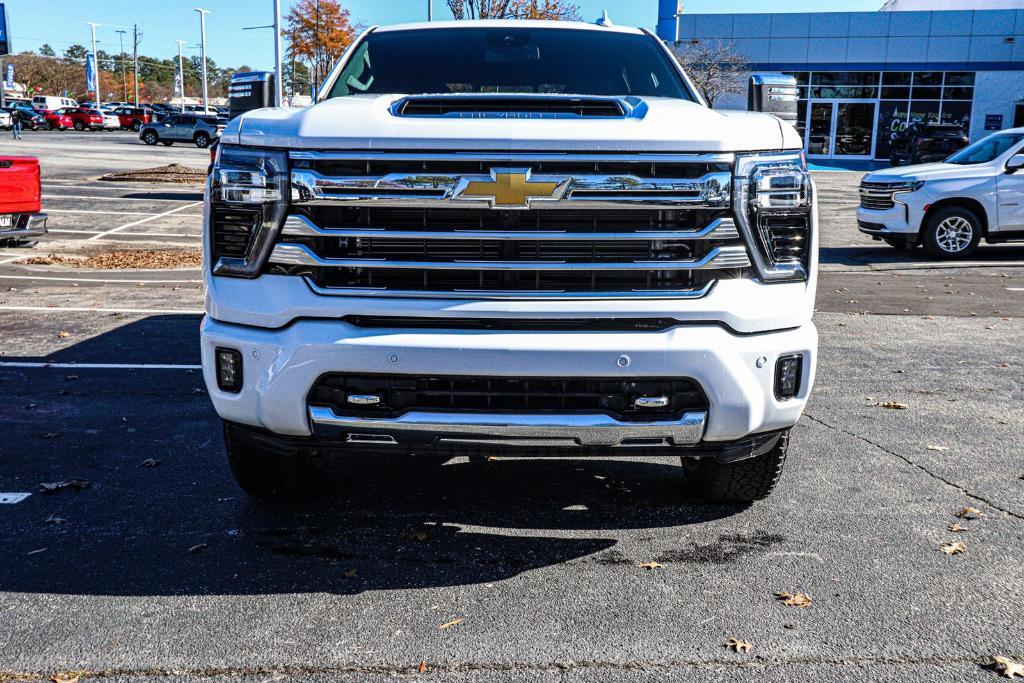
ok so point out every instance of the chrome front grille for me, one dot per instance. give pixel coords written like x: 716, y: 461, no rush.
x: 876, y: 196
x: 412, y: 225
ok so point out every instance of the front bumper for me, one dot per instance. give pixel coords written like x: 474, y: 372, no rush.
x: 26, y: 225
x: 736, y: 372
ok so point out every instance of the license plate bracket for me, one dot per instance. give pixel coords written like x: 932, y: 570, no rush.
x: 6, y: 221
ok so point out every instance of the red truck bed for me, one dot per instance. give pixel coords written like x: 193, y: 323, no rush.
x: 19, y: 185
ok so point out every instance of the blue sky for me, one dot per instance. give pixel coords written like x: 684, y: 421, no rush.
x: 62, y: 22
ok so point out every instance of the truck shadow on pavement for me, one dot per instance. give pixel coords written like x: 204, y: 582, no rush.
x: 156, y: 511
x: 881, y: 254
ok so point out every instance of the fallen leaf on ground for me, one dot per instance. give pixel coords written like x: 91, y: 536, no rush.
x: 956, y: 528
x: 938, y: 448
x: 63, y: 334
x: 970, y: 513
x: 53, y: 487
x: 449, y: 624
x: 738, y: 645
x: 953, y: 547
x: 65, y: 678
x: 892, y: 405
x: 198, y: 548
x: 423, y: 667
x: 1007, y: 667
x: 149, y: 462
x: 794, y: 599
x: 417, y: 535
x: 650, y: 565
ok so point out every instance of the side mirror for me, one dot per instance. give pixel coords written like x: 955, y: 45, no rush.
x: 1015, y: 163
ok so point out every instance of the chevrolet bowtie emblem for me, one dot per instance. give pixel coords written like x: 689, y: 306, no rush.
x: 511, y: 188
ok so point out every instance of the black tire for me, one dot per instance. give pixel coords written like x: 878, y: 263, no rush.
x: 150, y: 137
x: 268, y: 468
x: 168, y: 143
x: 136, y: 126
x: 939, y: 226
x: 79, y: 126
x: 202, y: 140
x: 743, y: 481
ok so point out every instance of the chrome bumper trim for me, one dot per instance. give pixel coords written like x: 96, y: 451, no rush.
x: 722, y: 228
x: 35, y: 227
x: 519, y: 295
x: 717, y: 258
x: 573, y: 431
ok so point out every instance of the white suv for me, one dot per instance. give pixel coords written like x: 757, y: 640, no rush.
x: 950, y: 206
x: 516, y: 238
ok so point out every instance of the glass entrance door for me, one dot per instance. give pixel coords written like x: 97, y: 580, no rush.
x: 841, y: 129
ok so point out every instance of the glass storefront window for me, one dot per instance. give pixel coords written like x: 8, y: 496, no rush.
x: 895, y: 93
x: 929, y: 93
x: 926, y: 111
x: 927, y: 78
x: 863, y: 78
x: 958, y: 113
x: 895, y: 78
x: 959, y: 78
x: 844, y: 92
x: 892, y: 119
x: 958, y: 93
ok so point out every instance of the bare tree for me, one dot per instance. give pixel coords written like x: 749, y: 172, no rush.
x: 716, y: 68
x: 514, y: 9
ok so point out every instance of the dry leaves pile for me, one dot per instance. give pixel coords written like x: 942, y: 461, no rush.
x: 123, y: 260
x: 172, y: 173
x: 802, y: 600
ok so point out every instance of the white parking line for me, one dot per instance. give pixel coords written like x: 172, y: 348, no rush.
x: 100, y: 366
x: 144, y: 220
x: 102, y: 213
x: 82, y: 309
x: 115, y: 199
x: 125, y: 234
x: 1015, y: 289
x: 102, y: 281
x: 120, y: 187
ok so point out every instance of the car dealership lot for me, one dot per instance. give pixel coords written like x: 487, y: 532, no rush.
x: 166, y: 571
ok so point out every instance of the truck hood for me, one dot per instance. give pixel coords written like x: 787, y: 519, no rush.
x: 366, y: 122
x: 936, y: 171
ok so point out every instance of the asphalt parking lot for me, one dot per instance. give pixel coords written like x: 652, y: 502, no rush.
x: 154, y: 566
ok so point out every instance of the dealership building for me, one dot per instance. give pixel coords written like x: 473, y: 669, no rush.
x: 863, y: 75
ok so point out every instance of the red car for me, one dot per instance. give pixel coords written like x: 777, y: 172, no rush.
x: 57, y: 120
x: 83, y: 118
x: 133, y: 118
x: 20, y: 201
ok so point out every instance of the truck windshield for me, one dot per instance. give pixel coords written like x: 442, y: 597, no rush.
x: 509, y: 60
x: 984, y: 151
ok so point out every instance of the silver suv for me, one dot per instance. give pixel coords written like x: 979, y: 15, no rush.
x: 202, y: 130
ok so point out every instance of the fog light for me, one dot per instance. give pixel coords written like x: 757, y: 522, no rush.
x: 229, y: 370
x: 787, y: 376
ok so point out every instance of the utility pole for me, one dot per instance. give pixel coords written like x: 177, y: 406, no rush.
x: 316, y: 54
x: 96, y: 64
x: 202, y: 50
x: 278, y: 69
x: 181, y: 74
x: 135, y: 63
x: 124, y: 77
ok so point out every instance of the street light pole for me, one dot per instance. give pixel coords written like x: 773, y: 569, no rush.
x: 181, y: 74
x: 202, y: 50
x: 430, y: 10
x: 278, y: 69
x: 124, y: 77
x: 95, y: 64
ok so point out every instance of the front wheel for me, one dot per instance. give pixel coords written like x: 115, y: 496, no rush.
x: 150, y: 138
x: 743, y: 481
x: 267, y: 468
x: 952, y: 232
x: 202, y: 140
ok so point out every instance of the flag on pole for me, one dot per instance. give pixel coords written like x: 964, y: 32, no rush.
x: 90, y: 74
x: 9, y: 77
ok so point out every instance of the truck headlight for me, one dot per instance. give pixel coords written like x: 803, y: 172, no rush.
x: 773, y: 207
x: 906, y: 186
x: 248, y: 202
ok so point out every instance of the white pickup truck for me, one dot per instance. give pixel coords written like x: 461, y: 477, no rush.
x: 950, y: 206
x: 516, y: 238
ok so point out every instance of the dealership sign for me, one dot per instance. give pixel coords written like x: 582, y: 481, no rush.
x: 9, y: 77
x: 5, y: 35
x: 90, y: 73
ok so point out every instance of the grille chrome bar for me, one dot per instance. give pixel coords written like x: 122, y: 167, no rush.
x: 500, y: 157
x: 722, y: 228
x: 518, y: 294
x: 712, y: 190
x: 716, y: 258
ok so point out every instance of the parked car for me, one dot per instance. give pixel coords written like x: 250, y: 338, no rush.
x: 31, y: 119
x: 51, y: 103
x: 949, y: 207
x: 57, y: 120
x: 20, y: 201
x: 133, y: 118
x: 83, y: 118
x: 472, y: 327
x: 924, y: 142
x: 183, y: 128
x: 5, y: 120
